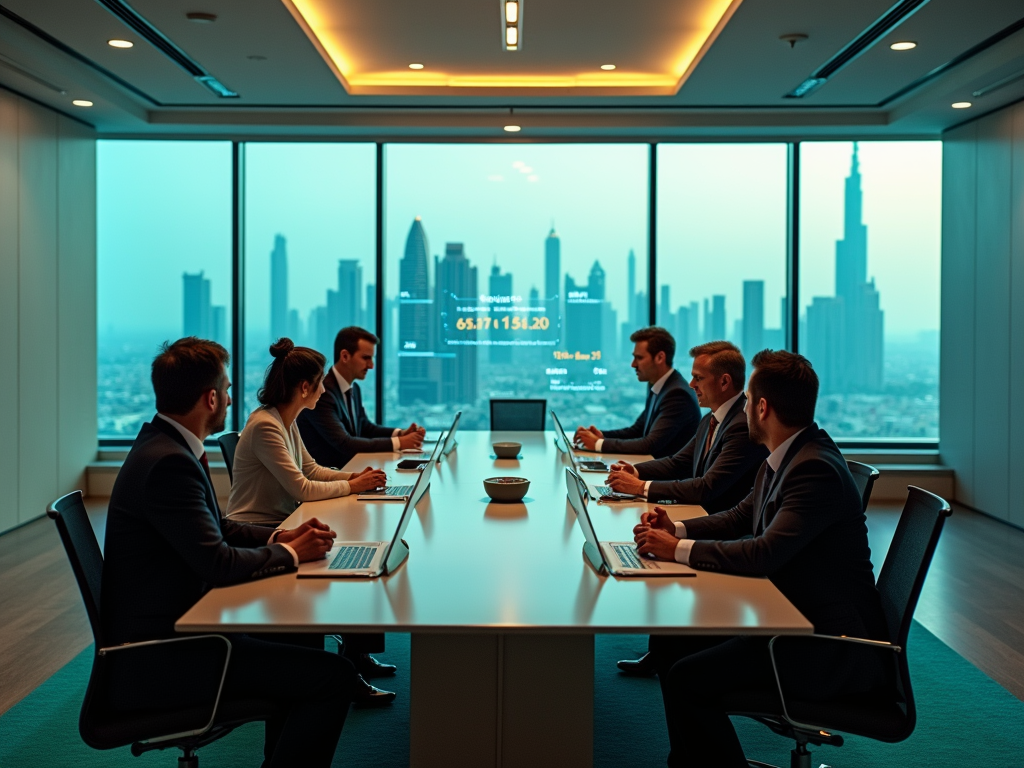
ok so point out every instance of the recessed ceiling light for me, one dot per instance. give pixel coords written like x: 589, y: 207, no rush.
x: 415, y: 66
x: 608, y: 67
x: 960, y: 104
x: 513, y: 128
x: 511, y: 37
x: 905, y: 45
x: 82, y: 103
x: 511, y: 12
x: 201, y: 18
x: 120, y: 43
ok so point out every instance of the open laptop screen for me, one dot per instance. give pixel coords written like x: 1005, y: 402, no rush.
x: 577, y: 489
x: 449, y: 442
x: 418, y: 489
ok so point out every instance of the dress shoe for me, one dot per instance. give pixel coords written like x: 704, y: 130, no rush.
x: 371, y: 696
x: 642, y: 667
x: 369, y: 667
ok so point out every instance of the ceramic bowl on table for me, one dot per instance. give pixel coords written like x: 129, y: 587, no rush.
x: 507, y: 450
x: 506, y: 489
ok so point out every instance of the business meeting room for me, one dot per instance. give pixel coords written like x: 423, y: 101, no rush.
x: 511, y: 383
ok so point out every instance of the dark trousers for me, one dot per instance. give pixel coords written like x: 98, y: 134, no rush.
x: 353, y: 643
x: 697, y: 676
x: 314, y: 688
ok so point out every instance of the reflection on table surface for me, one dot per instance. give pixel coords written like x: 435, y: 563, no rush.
x: 477, y: 565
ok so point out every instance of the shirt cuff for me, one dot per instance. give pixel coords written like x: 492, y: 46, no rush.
x: 395, y: 445
x: 647, y: 489
x: 680, y: 530
x: 683, y: 551
x: 273, y: 540
x: 599, y: 445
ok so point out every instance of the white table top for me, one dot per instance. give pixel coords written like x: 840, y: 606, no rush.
x: 478, y: 566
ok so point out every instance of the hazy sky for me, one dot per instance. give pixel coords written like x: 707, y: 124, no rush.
x: 164, y: 208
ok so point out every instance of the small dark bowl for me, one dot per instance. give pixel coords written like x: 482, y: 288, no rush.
x: 506, y: 489
x: 507, y: 450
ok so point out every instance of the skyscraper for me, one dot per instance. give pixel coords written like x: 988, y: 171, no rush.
x: 350, y: 294
x: 279, y: 289
x: 664, y: 313
x: 584, y: 312
x: 456, y: 278
x: 631, y: 289
x: 753, y: 317
x: 196, y: 309
x: 416, y: 319
x: 553, y: 270
x: 500, y: 285
x: 845, y: 332
x: 716, y: 329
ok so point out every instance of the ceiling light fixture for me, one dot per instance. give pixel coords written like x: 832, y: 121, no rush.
x: 513, y: 128
x: 960, y: 104
x: 415, y: 66
x: 120, y: 43
x: 906, y: 45
x: 512, y: 23
x: 201, y: 18
x: 82, y: 103
x: 607, y: 67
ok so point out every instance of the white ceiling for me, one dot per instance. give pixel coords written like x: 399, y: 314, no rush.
x: 735, y: 91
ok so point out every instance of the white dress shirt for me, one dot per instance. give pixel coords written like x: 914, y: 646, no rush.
x: 774, y: 461
x: 655, y: 388
x: 720, y: 413
x: 196, y: 446
x: 396, y: 446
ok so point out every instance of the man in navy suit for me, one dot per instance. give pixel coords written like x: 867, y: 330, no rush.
x: 670, y: 416
x: 717, y: 468
x: 804, y: 529
x: 338, y: 428
x: 166, y: 545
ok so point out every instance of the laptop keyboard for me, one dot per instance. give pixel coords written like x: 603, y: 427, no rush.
x: 354, y: 558
x: 604, y: 490
x: 628, y: 556
x: 392, y: 490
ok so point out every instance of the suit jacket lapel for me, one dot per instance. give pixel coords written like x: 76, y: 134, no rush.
x: 772, y: 492
x: 702, y: 440
x: 331, y: 383
x: 655, y: 400
x: 211, y: 493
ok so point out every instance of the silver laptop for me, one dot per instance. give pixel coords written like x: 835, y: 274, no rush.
x: 578, y: 466
x: 450, y: 443
x: 402, y: 492
x: 618, y: 558
x: 369, y: 559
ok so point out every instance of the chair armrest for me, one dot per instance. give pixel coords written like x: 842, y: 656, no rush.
x: 814, y: 640
x: 104, y: 652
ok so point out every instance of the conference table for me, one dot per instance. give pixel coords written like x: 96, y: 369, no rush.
x: 500, y: 602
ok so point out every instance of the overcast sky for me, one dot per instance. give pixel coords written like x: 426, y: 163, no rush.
x: 165, y: 208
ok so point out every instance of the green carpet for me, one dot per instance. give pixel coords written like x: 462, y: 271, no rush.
x: 964, y: 719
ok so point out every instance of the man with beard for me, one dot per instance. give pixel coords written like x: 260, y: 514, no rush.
x: 803, y: 528
x: 166, y: 545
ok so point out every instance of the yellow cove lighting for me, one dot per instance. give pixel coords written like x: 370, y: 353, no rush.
x: 347, y: 43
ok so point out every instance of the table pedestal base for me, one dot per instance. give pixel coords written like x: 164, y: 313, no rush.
x: 502, y: 700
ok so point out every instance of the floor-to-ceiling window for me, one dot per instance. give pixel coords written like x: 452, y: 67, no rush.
x: 514, y: 271
x: 869, y: 285
x: 310, y: 250
x: 163, y: 267
x: 520, y: 270
x: 722, y: 245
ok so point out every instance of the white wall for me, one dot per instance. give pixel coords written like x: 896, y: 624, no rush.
x: 47, y: 307
x: 982, y: 374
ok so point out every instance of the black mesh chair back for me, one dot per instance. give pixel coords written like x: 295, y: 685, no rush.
x: 228, y: 442
x: 864, y: 475
x: 518, y: 415
x: 84, y: 553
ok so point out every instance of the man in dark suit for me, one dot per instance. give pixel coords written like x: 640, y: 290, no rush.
x: 338, y: 428
x: 166, y: 545
x: 716, y: 469
x: 669, y: 418
x: 803, y: 528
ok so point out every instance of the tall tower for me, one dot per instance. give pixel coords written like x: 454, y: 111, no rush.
x: 456, y: 278
x: 852, y: 250
x: 553, y: 271
x: 196, y: 305
x: 416, y: 318
x: 279, y: 289
x: 631, y: 289
x: 500, y: 285
x: 350, y: 293
x: 753, y: 317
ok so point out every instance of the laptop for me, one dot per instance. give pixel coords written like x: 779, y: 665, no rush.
x: 619, y: 558
x: 403, y: 492
x: 370, y: 559
x: 450, y: 443
x: 602, y: 490
x: 583, y: 465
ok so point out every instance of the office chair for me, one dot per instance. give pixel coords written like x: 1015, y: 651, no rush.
x: 145, y: 728
x: 518, y: 415
x: 228, y: 442
x: 864, y: 475
x: 888, y: 715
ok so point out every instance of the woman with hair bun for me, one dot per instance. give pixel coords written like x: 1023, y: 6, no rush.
x: 272, y: 469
